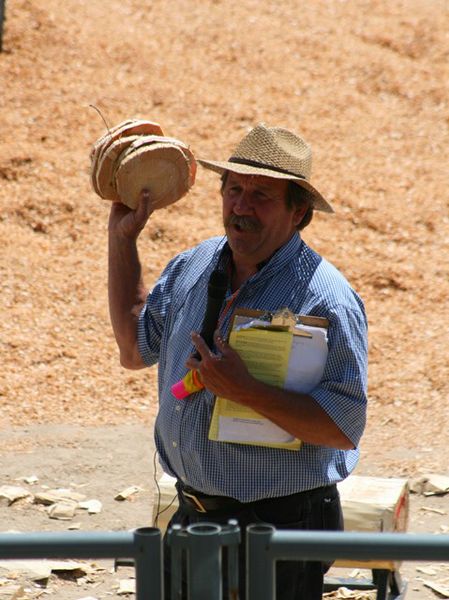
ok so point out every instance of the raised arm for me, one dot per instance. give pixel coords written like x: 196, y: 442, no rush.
x: 126, y: 289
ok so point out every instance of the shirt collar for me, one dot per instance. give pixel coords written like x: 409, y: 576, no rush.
x: 276, y: 261
x: 281, y: 257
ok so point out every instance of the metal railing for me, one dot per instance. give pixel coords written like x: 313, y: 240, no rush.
x: 265, y: 545
x: 143, y: 545
x: 203, y: 544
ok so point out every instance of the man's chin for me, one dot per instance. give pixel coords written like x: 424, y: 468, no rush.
x: 242, y: 247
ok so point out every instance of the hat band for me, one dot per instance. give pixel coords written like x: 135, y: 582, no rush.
x: 258, y: 165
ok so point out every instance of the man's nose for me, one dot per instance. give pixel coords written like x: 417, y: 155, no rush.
x: 243, y: 204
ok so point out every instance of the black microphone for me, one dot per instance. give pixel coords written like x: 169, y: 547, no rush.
x: 216, y: 291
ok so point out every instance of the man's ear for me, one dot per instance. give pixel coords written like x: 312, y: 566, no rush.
x: 298, y: 214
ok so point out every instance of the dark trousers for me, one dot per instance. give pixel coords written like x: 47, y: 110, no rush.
x: 317, y: 509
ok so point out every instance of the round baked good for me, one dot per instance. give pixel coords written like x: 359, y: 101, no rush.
x: 164, y: 166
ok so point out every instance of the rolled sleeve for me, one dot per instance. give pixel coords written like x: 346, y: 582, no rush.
x: 149, y: 334
x: 342, y: 392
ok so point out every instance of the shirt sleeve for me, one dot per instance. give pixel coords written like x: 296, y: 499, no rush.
x: 152, y: 318
x: 342, y: 392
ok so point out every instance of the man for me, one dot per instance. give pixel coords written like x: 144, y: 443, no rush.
x: 267, y: 199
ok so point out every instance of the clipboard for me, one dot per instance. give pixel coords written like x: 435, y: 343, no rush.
x: 282, y: 317
x: 281, y: 349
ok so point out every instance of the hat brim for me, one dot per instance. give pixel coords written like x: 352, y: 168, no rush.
x: 318, y: 202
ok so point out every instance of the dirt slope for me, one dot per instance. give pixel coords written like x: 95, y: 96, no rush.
x: 366, y: 84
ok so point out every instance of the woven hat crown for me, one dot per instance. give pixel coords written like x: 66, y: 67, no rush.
x: 277, y: 148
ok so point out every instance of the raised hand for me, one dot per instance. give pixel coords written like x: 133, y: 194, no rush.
x: 127, y: 223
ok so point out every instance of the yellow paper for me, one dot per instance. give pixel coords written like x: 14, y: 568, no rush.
x: 266, y: 355
x: 264, y: 352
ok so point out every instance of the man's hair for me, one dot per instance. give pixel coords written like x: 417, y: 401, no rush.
x: 296, y: 198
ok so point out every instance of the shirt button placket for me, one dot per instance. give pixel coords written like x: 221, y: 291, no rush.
x: 178, y: 410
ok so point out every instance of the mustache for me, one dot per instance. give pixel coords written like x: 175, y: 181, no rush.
x: 245, y: 223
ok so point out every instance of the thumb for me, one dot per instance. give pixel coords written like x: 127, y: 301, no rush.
x: 144, y: 207
x: 142, y: 212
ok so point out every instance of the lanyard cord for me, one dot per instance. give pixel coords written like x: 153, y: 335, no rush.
x: 227, y: 307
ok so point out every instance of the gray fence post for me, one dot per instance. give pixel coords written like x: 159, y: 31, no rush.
x: 175, y: 541
x: 233, y: 535
x: 260, y: 568
x: 148, y: 564
x: 204, y: 562
x: 201, y: 544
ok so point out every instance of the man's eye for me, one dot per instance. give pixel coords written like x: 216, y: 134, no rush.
x: 261, y: 196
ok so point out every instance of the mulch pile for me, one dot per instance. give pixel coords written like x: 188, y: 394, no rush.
x: 364, y: 82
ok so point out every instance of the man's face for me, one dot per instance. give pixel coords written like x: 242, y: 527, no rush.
x: 256, y: 218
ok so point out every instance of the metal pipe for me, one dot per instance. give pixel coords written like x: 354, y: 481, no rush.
x: 204, y: 561
x: 265, y: 545
x: 233, y: 559
x: 148, y: 564
x: 260, y: 566
x: 76, y: 544
x: 144, y: 545
x: 176, y: 543
x: 327, y: 545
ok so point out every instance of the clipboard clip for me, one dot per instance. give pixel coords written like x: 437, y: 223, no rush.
x: 282, y: 320
x: 286, y: 318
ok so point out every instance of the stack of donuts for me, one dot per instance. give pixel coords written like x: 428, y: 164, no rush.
x: 135, y: 155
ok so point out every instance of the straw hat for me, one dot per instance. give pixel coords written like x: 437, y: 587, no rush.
x: 273, y: 152
x: 135, y: 155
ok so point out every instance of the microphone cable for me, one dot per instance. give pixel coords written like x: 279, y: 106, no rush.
x: 159, y: 511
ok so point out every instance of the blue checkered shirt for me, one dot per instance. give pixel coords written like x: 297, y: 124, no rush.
x: 295, y: 277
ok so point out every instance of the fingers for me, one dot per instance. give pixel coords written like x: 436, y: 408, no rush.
x: 129, y: 223
x: 203, y: 349
x: 220, y: 343
x: 195, y: 360
x: 203, y: 356
x: 119, y: 209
